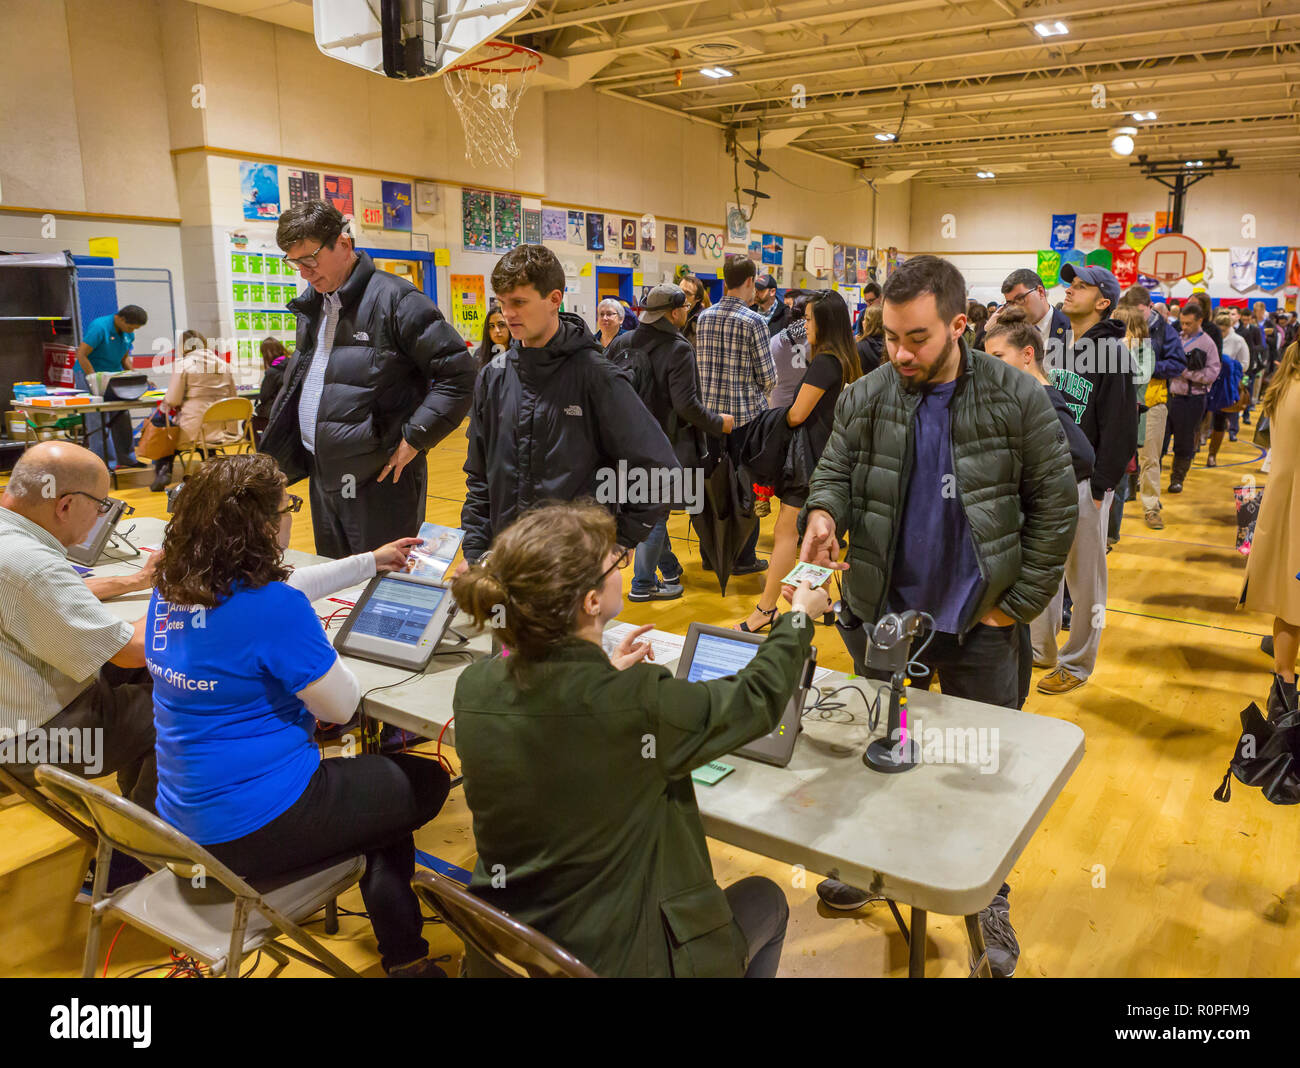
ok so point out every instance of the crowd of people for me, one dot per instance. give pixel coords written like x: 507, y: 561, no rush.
x: 967, y: 462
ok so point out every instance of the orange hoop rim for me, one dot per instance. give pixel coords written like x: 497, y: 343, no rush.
x: 505, y: 51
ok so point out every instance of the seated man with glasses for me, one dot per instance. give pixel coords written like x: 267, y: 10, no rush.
x: 76, y: 692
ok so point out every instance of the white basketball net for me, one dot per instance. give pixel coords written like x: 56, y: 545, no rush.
x: 486, y: 101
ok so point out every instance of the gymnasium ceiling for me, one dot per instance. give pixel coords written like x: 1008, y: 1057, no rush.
x: 962, y: 86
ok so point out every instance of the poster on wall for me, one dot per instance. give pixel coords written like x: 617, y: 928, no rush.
x: 532, y: 227
x: 468, y: 305
x: 688, y: 240
x: 554, y: 224
x: 476, y: 220
x: 1270, y: 271
x: 578, y: 228
x: 259, y: 188
x: 595, y: 231
x: 670, y: 237
x: 1113, y: 226
x: 837, y: 263
x: 1062, y: 232
x: 1141, y: 230
x: 738, y: 235
x: 338, y: 191
x: 648, y: 226
x: 507, y: 222
x: 1049, y: 266
x: 1241, y: 268
x: 773, y: 248
x: 1126, y: 267
x: 629, y: 234
x: 1087, y: 232
x: 756, y: 251
x: 303, y: 186
x: 397, y: 205
x: 850, y: 265
x: 864, y: 265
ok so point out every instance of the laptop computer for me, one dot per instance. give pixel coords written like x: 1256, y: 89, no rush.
x: 716, y: 652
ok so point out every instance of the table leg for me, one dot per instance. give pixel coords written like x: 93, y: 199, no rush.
x: 103, y: 445
x: 982, y: 967
x: 916, y: 946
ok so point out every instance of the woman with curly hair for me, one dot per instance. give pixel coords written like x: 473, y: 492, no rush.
x: 242, y: 671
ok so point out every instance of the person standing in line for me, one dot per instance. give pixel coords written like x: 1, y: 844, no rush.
x: 697, y: 296
x: 378, y: 378
x: 1097, y: 380
x: 1187, y: 392
x: 737, y: 372
x: 768, y: 306
x: 106, y: 348
x: 609, y: 321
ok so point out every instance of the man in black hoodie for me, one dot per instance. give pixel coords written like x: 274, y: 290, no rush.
x: 1097, y: 381
x: 553, y: 419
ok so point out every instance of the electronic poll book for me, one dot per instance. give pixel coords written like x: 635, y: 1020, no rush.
x: 399, y: 620
x: 715, y: 652
x: 87, y: 553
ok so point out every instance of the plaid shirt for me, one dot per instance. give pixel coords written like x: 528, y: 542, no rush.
x: 737, y: 371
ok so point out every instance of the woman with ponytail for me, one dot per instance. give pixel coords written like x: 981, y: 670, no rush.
x: 578, y: 764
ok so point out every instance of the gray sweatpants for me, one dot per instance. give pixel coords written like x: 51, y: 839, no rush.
x: 1085, y: 572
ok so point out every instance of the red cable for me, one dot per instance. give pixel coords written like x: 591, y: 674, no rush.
x: 438, y: 752
x: 110, y: 950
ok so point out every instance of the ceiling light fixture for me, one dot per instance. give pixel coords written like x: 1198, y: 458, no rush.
x: 985, y: 174
x: 885, y: 136
x: 716, y: 72
x: 1050, y: 29
x: 1194, y: 163
x: 1144, y: 116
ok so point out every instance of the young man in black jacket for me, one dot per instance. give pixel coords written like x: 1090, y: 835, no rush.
x: 378, y: 377
x: 1097, y: 381
x: 553, y: 419
x: 662, y: 364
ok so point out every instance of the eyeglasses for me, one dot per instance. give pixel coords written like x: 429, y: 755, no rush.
x: 295, y: 504
x: 104, y: 504
x: 624, y: 558
x: 308, y: 260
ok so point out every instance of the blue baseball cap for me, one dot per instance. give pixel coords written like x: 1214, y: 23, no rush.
x: 1094, y: 276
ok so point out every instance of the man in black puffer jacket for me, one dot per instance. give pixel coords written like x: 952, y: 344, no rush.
x: 377, y: 378
x: 553, y: 419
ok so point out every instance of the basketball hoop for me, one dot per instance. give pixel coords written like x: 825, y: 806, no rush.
x: 486, y: 95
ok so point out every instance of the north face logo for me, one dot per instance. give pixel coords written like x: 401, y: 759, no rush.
x: 572, y: 409
x: 360, y: 335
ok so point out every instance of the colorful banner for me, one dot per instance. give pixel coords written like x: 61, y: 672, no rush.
x: 1162, y: 222
x: 1087, y: 232
x: 1141, y: 229
x: 1049, y: 267
x: 338, y: 191
x: 259, y: 188
x: 1271, y: 270
x: 1099, y: 257
x: 1072, y: 256
x: 476, y: 220
x: 1293, y: 269
x: 1062, y: 233
x: 595, y: 231
x: 1241, y: 268
x: 1126, y: 267
x: 397, y: 205
x: 468, y: 305
x: 553, y: 224
x: 1113, y: 225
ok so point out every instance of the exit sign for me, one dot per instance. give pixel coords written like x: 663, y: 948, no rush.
x: 373, y: 216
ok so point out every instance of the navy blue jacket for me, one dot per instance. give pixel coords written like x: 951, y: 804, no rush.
x: 1167, y: 344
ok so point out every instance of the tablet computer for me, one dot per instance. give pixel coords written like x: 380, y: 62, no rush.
x: 399, y: 620
x: 715, y: 652
x: 89, y: 551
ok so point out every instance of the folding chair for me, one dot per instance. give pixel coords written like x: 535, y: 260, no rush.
x: 193, y: 901
x: 43, y: 804
x: 518, y: 950
x: 230, y: 410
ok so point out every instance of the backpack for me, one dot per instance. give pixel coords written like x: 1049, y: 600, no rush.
x: 636, y: 364
x: 1226, y: 390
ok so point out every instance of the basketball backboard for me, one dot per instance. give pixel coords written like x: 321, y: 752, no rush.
x: 409, y: 39
x: 1170, y: 257
x: 817, y: 256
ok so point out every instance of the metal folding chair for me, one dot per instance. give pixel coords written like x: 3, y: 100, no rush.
x: 515, y: 948
x: 230, y: 410
x: 193, y: 901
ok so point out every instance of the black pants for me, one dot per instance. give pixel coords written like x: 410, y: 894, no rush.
x: 360, y: 519
x: 986, y: 667
x: 114, y: 721
x: 747, y: 555
x: 364, y: 804
x: 1185, y: 415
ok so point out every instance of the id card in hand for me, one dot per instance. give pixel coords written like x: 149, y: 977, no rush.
x: 814, y: 574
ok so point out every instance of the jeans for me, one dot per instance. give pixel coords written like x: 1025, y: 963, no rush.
x: 367, y: 804
x: 107, y: 436
x: 761, y: 910
x: 654, y: 555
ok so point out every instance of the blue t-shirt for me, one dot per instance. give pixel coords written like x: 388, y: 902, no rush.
x: 234, y: 743
x: 107, y: 347
x: 935, y: 568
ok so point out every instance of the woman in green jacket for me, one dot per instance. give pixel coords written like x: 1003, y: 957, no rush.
x: 578, y: 765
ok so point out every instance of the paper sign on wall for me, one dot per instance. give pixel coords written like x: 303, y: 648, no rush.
x: 104, y: 246
x: 468, y: 305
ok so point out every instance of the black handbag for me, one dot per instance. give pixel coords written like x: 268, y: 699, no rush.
x: 1265, y: 757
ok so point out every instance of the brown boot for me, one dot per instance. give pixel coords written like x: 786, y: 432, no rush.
x: 1216, y: 439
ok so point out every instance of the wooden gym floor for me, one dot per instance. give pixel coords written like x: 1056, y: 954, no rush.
x: 1136, y: 870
